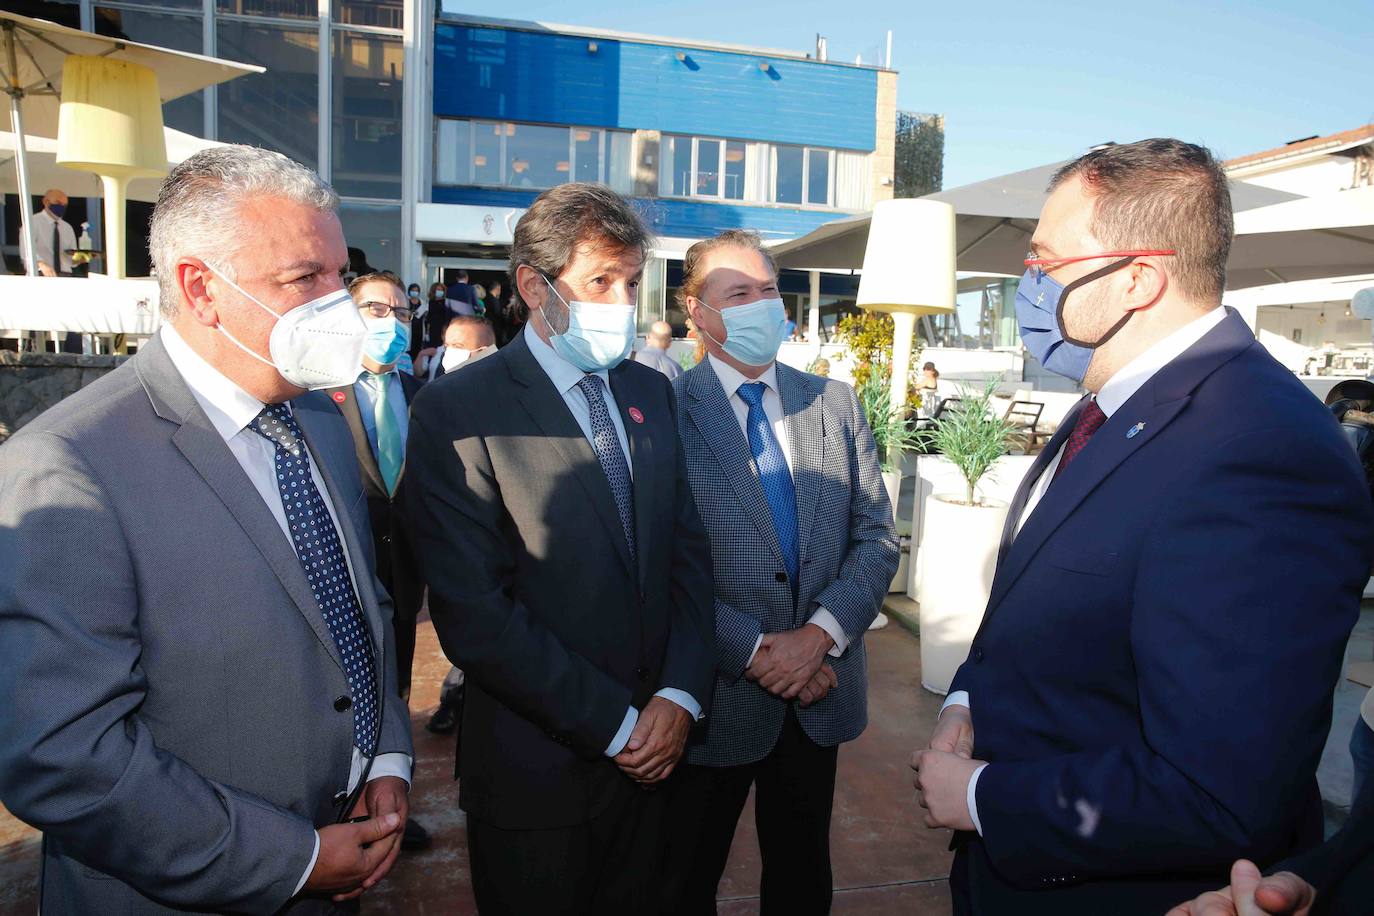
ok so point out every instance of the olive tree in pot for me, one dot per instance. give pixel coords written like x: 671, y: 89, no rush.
x: 962, y: 534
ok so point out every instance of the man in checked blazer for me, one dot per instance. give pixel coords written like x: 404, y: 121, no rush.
x: 785, y: 474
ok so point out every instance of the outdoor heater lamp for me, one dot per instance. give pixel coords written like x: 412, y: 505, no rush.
x: 110, y: 123
x: 908, y: 271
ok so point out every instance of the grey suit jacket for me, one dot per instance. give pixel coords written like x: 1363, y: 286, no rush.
x: 847, y: 543
x: 169, y: 681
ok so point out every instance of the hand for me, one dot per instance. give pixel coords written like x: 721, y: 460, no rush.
x: 350, y: 853
x: 787, y: 661
x: 1284, y: 894
x: 45, y: 269
x: 822, y: 683
x: 382, y: 796
x: 656, y: 743
x: 425, y: 353
x: 941, y: 783
x: 954, y: 732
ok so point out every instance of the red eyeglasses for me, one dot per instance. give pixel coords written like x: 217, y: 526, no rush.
x: 1042, y: 265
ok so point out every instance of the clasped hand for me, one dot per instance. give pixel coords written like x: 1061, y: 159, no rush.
x: 354, y: 857
x: 943, y: 770
x: 792, y: 664
x: 657, y: 742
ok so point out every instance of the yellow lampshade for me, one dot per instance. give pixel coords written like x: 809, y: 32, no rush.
x: 111, y: 118
x: 909, y: 261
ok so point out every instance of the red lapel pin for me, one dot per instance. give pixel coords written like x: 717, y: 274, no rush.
x: 636, y: 415
x: 339, y: 397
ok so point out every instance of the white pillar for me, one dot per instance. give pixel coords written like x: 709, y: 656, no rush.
x: 813, y: 315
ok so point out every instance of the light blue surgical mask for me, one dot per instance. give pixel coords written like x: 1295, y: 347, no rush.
x: 1040, y: 313
x: 753, y: 332
x: 599, y: 334
x: 386, y: 340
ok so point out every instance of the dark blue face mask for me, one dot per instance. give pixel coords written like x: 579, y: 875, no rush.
x: 1040, y: 313
x: 57, y: 209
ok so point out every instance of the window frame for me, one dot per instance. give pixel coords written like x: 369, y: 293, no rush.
x: 602, y: 140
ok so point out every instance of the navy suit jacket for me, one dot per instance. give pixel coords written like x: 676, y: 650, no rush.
x: 1152, y: 679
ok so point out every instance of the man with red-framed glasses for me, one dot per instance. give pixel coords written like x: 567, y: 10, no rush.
x: 1178, y: 575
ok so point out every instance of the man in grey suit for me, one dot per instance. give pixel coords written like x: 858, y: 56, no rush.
x: 786, y: 477
x: 199, y: 680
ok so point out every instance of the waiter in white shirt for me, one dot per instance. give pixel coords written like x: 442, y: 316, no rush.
x: 54, y: 239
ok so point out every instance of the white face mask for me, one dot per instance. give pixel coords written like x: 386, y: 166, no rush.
x: 315, y: 345
x: 454, y: 357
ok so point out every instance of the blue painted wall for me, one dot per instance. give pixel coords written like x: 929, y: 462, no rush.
x: 507, y: 74
x: 686, y: 218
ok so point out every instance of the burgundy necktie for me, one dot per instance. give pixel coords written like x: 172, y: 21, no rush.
x: 1090, y: 420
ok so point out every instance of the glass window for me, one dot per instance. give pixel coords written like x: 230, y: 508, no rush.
x: 278, y: 109
x: 734, y: 170
x: 366, y: 127
x: 818, y: 177
x: 620, y: 172
x: 534, y: 155
x: 787, y: 174
x: 180, y: 33
x: 453, y: 158
x: 385, y: 14
x: 281, y: 9
x: 677, y: 158
x: 708, y: 168
x: 373, y: 234
x: 486, y: 152
x: 587, y: 153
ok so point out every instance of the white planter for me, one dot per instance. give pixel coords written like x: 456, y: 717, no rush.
x: 959, y: 552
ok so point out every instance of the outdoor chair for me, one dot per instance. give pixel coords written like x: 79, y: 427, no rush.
x: 1024, y: 419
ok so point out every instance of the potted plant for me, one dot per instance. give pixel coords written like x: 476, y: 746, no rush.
x: 962, y: 534
x: 893, y: 435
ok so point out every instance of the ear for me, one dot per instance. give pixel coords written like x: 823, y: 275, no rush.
x: 532, y: 286
x: 193, y: 285
x: 1146, y: 283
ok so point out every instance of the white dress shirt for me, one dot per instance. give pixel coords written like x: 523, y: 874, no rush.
x: 1114, y: 394
x: 41, y: 227
x: 731, y: 379
x: 565, y: 377
x: 230, y: 410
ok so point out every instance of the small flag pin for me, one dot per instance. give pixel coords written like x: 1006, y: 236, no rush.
x: 636, y: 415
x: 1135, y: 430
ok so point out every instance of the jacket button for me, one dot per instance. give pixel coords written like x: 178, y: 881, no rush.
x: 342, y: 703
x: 339, y: 798
x: 781, y: 577
x: 977, y: 654
x: 386, y: 539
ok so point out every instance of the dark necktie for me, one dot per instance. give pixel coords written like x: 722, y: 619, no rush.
x: 1090, y: 420
x: 322, y: 557
x: 773, y: 474
x: 56, y: 250
x: 611, y: 456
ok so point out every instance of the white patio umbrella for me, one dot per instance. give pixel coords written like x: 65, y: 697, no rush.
x: 32, y: 54
x: 1331, y: 235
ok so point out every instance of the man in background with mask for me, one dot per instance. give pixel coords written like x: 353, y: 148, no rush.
x: 466, y: 338
x: 785, y: 474
x: 1151, y: 684
x: 569, y: 574
x: 203, y: 699
x: 53, y: 237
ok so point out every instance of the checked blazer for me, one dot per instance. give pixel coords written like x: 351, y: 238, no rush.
x: 846, y: 541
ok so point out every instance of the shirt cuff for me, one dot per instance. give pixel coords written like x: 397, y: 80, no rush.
x: 684, y: 699
x: 827, y: 622
x: 314, y: 856
x: 622, y: 737
x: 957, y: 698
x: 757, y: 643
x: 398, y: 765
x: 972, y: 798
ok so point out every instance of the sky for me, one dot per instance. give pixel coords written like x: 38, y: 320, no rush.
x: 1023, y: 84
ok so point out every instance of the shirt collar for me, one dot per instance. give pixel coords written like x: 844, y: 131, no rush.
x: 228, y: 406
x: 1133, y: 376
x: 562, y: 373
x: 731, y: 378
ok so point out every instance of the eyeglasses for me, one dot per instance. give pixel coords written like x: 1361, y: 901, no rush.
x: 383, y: 309
x: 1042, y: 266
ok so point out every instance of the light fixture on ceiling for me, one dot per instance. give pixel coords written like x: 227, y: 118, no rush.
x: 519, y: 165
x: 582, y: 136
x: 479, y: 160
x: 562, y: 166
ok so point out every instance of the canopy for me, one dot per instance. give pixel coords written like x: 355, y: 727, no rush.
x: 44, y: 172
x: 1311, y: 238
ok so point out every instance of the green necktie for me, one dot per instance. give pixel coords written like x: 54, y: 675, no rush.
x: 390, y: 450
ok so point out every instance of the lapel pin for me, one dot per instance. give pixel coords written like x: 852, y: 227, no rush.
x: 636, y: 415
x: 1135, y: 430
x: 339, y: 397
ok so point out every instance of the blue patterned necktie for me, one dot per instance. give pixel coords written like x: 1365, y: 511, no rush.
x: 611, y: 456
x: 322, y: 557
x: 773, y: 474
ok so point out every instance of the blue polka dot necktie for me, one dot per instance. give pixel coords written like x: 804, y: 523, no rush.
x: 773, y: 474
x: 611, y: 457
x: 322, y: 557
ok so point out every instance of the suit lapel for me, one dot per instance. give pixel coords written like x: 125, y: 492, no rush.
x: 805, y: 422
x: 545, y: 406
x: 347, y: 400
x: 1037, y: 469
x: 197, y: 440
x: 644, y: 476
x: 715, y: 419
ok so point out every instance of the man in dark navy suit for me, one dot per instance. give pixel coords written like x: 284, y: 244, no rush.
x: 1180, y: 570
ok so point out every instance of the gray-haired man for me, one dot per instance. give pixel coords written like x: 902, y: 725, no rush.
x: 206, y: 688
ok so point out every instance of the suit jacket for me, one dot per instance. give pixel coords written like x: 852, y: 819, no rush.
x: 531, y: 586
x: 169, y: 718
x: 1152, y: 678
x: 398, y: 567
x: 846, y: 540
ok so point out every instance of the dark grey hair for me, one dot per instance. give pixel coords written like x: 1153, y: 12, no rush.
x: 197, y: 209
